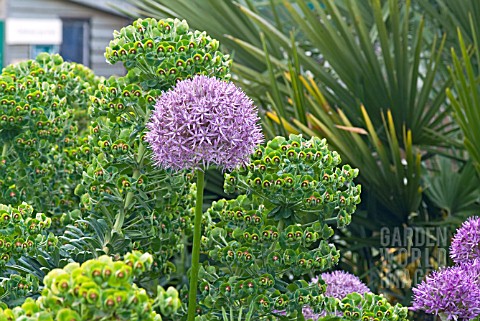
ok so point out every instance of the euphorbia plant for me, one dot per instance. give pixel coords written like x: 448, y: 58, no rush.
x: 24, y: 240
x: 278, y: 227
x: 158, y: 54
x: 100, y: 289
x: 262, y: 244
x: 39, y: 128
x: 15, y: 288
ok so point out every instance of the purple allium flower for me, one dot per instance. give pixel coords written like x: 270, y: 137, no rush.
x: 203, y: 121
x: 466, y: 242
x: 309, y: 314
x: 341, y: 283
x: 453, y: 292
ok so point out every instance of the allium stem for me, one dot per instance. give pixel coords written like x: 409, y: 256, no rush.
x: 197, y: 235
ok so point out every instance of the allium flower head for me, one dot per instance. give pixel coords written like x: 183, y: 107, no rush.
x: 453, y: 292
x: 466, y: 242
x: 341, y: 283
x: 203, y: 121
x: 308, y: 313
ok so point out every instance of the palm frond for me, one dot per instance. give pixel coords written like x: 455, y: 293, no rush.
x: 456, y: 195
x: 465, y: 96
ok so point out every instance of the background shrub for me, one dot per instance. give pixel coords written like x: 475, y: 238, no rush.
x: 42, y: 115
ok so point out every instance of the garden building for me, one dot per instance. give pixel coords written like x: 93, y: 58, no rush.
x: 77, y: 29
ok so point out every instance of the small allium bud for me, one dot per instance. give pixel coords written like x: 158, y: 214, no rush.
x: 202, y: 122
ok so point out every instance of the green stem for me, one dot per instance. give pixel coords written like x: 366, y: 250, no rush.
x: 280, y: 226
x: 197, y: 236
x: 6, y: 145
x: 331, y: 220
x: 183, y: 256
x: 300, y: 316
x: 128, y: 199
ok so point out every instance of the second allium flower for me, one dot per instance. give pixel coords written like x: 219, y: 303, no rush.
x: 341, y: 283
x: 201, y: 122
x: 453, y: 292
x: 466, y: 242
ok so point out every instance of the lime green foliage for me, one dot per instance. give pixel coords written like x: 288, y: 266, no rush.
x: 164, y: 52
x: 367, y: 307
x: 21, y: 233
x: 15, y: 288
x: 100, y: 289
x: 298, y: 177
x: 168, y: 301
x: 73, y: 81
x: 40, y: 101
x: 23, y: 236
x: 246, y: 224
x: 103, y: 287
x: 252, y: 255
x: 292, y: 189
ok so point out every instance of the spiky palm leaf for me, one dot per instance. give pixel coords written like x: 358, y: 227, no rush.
x: 457, y: 196
x: 465, y: 97
x: 449, y: 16
x: 387, y: 67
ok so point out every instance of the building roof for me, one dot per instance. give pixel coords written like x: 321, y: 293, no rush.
x: 106, y: 5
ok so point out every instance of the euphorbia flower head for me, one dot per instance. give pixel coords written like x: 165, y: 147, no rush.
x: 201, y: 122
x: 466, y: 242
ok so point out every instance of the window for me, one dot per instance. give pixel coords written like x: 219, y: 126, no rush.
x: 36, y: 49
x: 75, y: 44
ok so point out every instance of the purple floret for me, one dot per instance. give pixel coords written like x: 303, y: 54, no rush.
x: 201, y: 122
x: 466, y: 242
x: 453, y: 292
